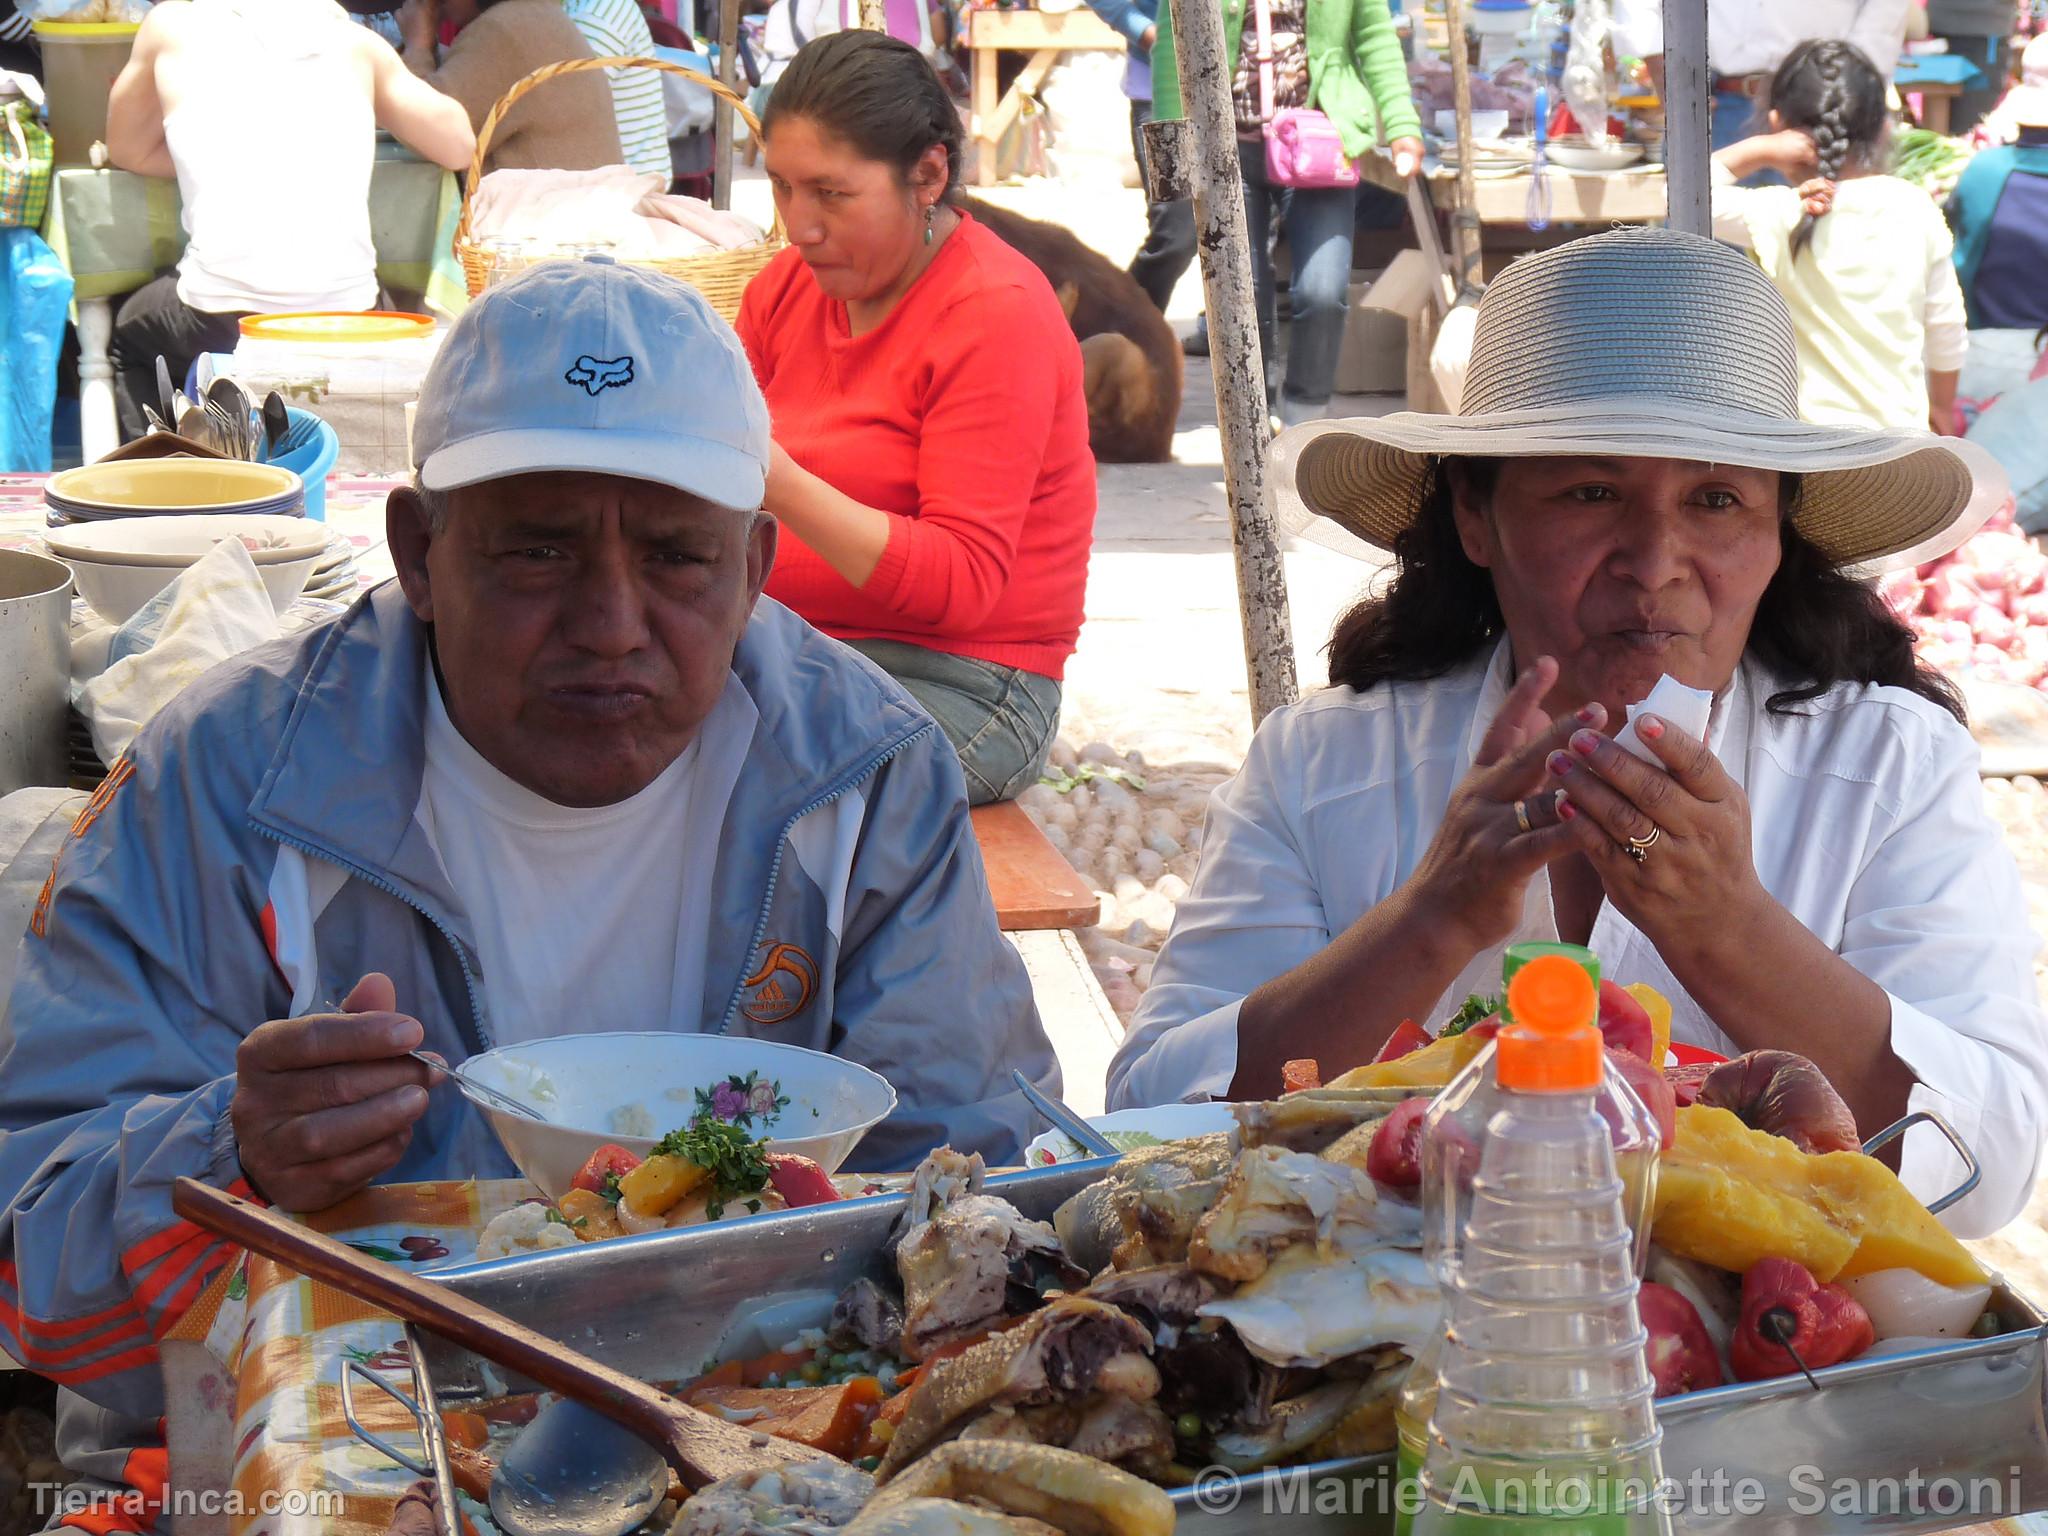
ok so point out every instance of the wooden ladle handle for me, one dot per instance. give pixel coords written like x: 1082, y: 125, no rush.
x: 700, y: 1448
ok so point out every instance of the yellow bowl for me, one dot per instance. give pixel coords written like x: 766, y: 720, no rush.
x: 144, y: 485
x: 332, y: 325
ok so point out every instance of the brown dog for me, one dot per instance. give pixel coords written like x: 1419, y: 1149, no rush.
x: 1131, y: 357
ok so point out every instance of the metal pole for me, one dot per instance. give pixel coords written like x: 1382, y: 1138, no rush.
x: 1235, y: 357
x: 1465, y: 215
x: 721, y: 118
x: 1688, y: 89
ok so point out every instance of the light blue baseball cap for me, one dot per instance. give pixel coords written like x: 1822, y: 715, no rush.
x: 597, y: 366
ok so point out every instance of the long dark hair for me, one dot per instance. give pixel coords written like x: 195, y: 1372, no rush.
x: 1814, y: 626
x: 877, y: 93
x: 1832, y: 91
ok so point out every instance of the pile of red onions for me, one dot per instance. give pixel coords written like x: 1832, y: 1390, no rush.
x: 1982, y: 609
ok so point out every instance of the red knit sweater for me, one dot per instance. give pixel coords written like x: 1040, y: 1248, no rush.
x: 961, y: 415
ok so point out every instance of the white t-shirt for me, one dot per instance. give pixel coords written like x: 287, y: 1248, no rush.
x: 585, y: 919
x: 278, y: 217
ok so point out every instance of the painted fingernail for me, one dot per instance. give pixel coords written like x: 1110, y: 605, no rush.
x: 1585, y: 743
x: 1649, y: 726
x: 1560, y: 764
x: 1565, y: 809
x: 1589, y: 714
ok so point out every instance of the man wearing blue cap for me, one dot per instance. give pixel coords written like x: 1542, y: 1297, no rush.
x: 570, y: 773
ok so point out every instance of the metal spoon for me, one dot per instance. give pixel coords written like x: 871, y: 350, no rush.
x: 1064, y: 1119
x: 504, y: 1103
x: 277, y: 422
x: 572, y: 1473
x: 166, y: 396
x: 232, y: 401
x: 198, y: 426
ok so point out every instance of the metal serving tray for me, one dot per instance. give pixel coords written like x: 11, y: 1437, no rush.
x: 1760, y: 1458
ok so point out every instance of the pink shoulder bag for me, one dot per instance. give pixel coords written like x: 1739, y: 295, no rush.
x: 1303, y: 147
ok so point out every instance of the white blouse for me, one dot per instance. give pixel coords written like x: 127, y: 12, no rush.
x: 1866, y: 822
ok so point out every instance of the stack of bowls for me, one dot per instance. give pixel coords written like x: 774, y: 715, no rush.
x: 172, y: 487
x: 122, y: 563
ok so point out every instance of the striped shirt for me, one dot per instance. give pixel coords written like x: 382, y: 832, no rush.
x: 14, y: 27
x: 616, y: 29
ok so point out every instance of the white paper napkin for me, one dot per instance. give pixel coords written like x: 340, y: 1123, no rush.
x: 1686, y: 708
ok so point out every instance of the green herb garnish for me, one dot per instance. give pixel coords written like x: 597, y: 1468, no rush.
x: 734, y: 1160
x: 1476, y: 1010
x: 556, y: 1216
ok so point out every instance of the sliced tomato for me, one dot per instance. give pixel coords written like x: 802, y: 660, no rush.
x: 1408, y: 1036
x: 1625, y: 1024
x: 1295, y: 1076
x: 608, y: 1161
x: 800, y: 1181
x: 1394, y: 1156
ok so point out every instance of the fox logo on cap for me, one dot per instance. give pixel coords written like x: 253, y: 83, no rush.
x: 596, y: 375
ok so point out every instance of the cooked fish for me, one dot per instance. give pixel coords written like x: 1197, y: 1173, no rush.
x: 1125, y: 1432
x: 943, y: 1177
x: 1311, y: 1308
x: 1275, y: 1199
x: 1144, y: 1210
x: 1299, y: 1423
x: 1310, y: 1120
x: 945, y: 1517
x: 957, y: 1267
x: 1367, y: 1427
x: 1065, y: 1352
x: 1075, y: 1494
x: 808, y: 1497
x: 1208, y: 1372
x: 1164, y: 1297
x: 869, y: 1313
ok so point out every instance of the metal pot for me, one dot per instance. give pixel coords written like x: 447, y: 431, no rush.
x: 35, y: 669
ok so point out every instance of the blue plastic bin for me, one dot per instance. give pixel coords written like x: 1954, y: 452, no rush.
x: 309, y: 449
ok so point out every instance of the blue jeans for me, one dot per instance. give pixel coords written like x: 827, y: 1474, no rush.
x: 1001, y: 720
x: 1319, y: 222
x: 1735, y: 117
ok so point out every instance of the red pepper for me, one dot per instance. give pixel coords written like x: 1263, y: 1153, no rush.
x: 800, y: 1181
x: 1845, y: 1328
x: 1827, y: 1325
x: 1407, y: 1036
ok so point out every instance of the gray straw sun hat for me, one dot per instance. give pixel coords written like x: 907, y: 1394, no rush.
x: 1644, y: 343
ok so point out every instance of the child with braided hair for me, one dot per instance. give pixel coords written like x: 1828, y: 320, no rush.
x: 1863, y: 259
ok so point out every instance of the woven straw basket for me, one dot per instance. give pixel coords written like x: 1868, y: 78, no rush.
x: 721, y: 276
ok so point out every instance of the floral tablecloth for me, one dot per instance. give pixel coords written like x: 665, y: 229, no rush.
x: 261, y: 1354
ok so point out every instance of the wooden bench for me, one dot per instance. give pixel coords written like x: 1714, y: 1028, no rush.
x: 1033, y: 886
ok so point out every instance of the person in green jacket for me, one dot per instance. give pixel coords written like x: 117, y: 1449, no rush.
x: 1342, y: 58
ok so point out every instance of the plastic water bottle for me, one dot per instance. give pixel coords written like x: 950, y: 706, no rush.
x: 1452, y: 1131
x: 1544, y: 1418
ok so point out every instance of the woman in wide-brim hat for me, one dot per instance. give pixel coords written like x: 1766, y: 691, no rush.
x: 1628, y: 493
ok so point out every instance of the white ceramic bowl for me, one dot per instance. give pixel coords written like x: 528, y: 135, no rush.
x: 1130, y: 1129
x: 1487, y: 124
x: 121, y: 564
x: 593, y: 1088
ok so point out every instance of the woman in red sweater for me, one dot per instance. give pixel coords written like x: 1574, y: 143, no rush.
x: 931, y: 471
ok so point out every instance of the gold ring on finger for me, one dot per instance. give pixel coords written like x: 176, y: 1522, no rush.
x: 1643, y: 845
x: 1522, y: 816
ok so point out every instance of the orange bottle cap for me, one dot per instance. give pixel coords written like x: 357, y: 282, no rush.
x: 1554, y: 1044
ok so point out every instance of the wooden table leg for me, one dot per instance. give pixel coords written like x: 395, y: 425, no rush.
x: 1934, y: 111
x: 982, y: 107
x: 99, y: 430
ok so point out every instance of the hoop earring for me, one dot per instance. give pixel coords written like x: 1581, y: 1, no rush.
x: 931, y: 212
